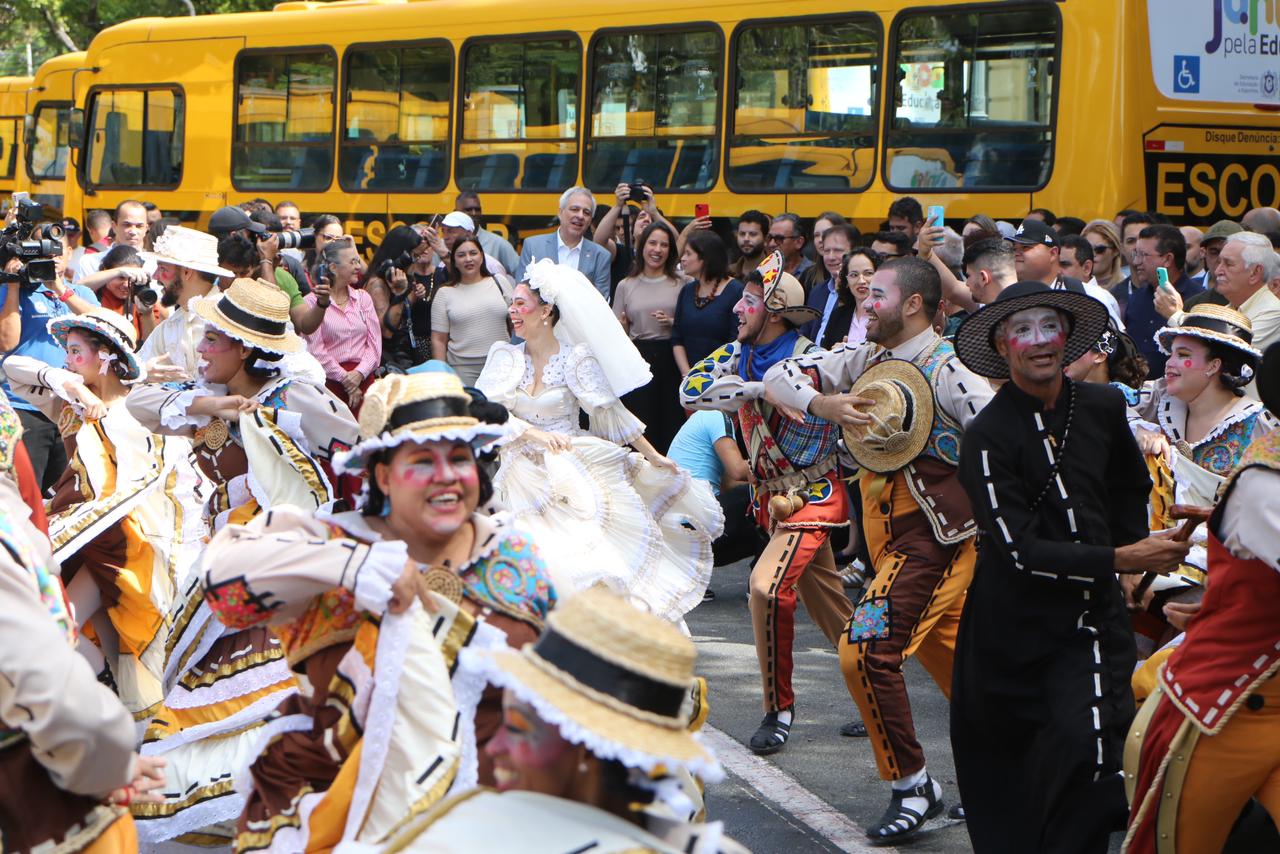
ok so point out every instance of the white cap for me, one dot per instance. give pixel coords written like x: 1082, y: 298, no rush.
x: 457, y: 219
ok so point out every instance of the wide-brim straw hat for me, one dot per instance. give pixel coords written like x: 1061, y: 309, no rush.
x: 783, y: 293
x: 902, y: 416
x: 1215, y: 323
x: 255, y: 312
x: 111, y: 326
x: 186, y: 247
x: 431, y: 406
x: 975, y: 339
x: 610, y: 677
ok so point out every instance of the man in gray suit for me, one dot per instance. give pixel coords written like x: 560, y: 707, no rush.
x: 568, y: 243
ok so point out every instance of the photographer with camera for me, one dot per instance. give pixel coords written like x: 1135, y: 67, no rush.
x: 243, y: 252
x: 32, y: 292
x: 131, y: 226
x: 401, y: 298
x: 273, y: 242
x: 125, y: 288
x: 613, y: 227
x: 348, y: 343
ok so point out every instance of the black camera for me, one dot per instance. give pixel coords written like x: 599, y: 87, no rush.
x: 35, y: 246
x: 143, y: 294
x: 638, y: 194
x: 401, y: 262
x: 303, y: 238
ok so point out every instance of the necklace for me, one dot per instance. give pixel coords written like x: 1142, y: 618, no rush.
x: 699, y: 301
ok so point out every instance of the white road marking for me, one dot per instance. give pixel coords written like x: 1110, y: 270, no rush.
x: 792, y: 798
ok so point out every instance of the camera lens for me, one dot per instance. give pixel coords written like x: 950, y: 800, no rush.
x: 145, y: 294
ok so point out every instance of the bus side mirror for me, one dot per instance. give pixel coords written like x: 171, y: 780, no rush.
x: 75, y: 128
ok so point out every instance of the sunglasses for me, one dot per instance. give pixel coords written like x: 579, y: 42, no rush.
x: 778, y: 238
x: 1099, y: 248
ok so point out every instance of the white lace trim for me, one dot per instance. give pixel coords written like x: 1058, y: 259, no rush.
x: 353, y: 461
x: 224, y: 808
x: 575, y: 733
x: 468, y: 688
x: 241, y: 685
x: 255, y: 711
x: 173, y: 414
x: 290, y: 840
x: 1175, y: 406
x: 203, y: 617
x: 393, y: 645
x: 241, y: 778
x: 381, y: 568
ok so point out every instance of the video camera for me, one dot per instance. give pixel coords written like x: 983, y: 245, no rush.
x: 34, y: 245
x: 303, y: 238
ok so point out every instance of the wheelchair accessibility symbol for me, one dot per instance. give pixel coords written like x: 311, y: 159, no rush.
x: 1186, y: 74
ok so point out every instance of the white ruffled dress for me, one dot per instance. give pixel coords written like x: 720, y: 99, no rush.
x: 599, y: 512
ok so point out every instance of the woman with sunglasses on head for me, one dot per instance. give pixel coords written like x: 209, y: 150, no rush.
x: 600, y: 512
x: 338, y: 589
x: 263, y: 436
x: 469, y: 313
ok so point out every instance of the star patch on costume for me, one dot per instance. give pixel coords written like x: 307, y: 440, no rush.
x: 819, y: 491
x: 695, y: 383
x: 872, y: 620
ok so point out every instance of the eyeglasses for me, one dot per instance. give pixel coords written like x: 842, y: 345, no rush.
x: 1138, y: 254
x: 893, y: 254
x: 778, y: 238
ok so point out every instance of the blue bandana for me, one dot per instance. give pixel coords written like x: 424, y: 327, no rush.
x: 755, y: 360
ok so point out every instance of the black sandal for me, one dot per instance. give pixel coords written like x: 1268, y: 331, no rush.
x: 854, y: 729
x: 773, y: 734
x: 900, y: 823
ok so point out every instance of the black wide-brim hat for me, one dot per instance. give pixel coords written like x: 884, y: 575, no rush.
x: 1268, y: 379
x: 975, y: 340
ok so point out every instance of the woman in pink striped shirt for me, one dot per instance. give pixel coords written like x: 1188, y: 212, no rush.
x: 348, y: 343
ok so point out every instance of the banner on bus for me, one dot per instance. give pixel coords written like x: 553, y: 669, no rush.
x: 1216, y: 50
x: 1199, y: 174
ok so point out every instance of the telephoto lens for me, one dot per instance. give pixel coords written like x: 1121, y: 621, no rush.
x: 144, y: 294
x: 303, y: 238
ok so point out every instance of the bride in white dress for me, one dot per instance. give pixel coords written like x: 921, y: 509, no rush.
x: 599, y: 511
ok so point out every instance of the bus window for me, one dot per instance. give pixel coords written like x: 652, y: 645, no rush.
x: 284, y: 121
x: 396, y: 131
x: 10, y: 128
x: 520, y: 114
x: 135, y: 138
x: 973, y: 99
x: 47, y: 157
x: 805, y: 111
x: 655, y: 104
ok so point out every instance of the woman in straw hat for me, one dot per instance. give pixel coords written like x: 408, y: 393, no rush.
x: 125, y: 513
x: 323, y: 582
x: 596, y: 720
x: 262, y: 436
x: 635, y: 522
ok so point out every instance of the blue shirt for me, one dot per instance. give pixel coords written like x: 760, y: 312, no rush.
x: 701, y: 330
x: 1142, y: 321
x: 694, y: 447
x: 37, y: 307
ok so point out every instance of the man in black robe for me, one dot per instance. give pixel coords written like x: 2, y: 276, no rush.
x: 1041, y: 698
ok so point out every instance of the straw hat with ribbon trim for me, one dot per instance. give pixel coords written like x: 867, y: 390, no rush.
x: 901, y: 417
x: 975, y: 339
x: 783, y: 293
x: 610, y: 677
x: 1217, y: 324
x: 111, y: 326
x: 186, y: 247
x: 255, y: 312
x: 420, y: 407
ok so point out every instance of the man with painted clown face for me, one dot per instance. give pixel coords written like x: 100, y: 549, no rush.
x: 1041, y: 697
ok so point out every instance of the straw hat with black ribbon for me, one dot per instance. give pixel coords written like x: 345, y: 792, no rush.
x: 1217, y: 324
x: 783, y: 293
x: 901, y: 416
x: 975, y: 339
x: 186, y: 247
x: 610, y: 677
x: 252, y: 311
x: 111, y: 326
x: 419, y: 407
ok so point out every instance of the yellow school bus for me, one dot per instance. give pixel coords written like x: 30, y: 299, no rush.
x: 47, y: 158
x: 13, y: 111
x: 382, y: 110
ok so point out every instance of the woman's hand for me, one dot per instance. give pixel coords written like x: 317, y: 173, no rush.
x: 552, y: 441
x: 417, y: 292
x: 148, y: 775
x: 1180, y: 613
x: 351, y: 382
x: 663, y: 318
x: 228, y: 407
x: 1152, y: 444
x: 397, y: 281
x: 161, y: 369
x: 662, y: 461
x: 90, y: 404
x: 623, y: 192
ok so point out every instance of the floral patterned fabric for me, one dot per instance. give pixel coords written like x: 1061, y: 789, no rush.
x: 513, y: 579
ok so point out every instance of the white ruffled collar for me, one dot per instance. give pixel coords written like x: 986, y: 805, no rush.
x: 1173, y: 412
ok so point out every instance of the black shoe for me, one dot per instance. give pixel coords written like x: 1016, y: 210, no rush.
x: 854, y: 729
x: 956, y: 813
x: 899, y: 824
x: 773, y: 734
x: 709, y: 595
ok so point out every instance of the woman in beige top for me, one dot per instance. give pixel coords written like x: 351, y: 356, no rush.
x: 468, y: 314
x: 645, y: 303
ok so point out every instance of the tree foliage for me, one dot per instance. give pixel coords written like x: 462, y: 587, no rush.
x: 53, y: 27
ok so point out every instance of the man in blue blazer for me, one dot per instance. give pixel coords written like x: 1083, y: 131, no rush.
x: 568, y: 244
